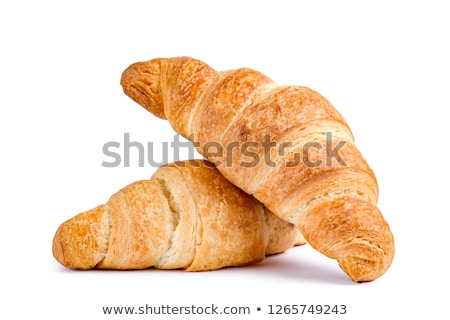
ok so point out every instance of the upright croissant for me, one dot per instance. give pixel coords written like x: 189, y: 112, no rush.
x: 285, y: 145
x: 187, y: 216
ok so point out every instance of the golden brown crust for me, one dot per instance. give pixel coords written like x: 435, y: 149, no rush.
x: 139, y: 227
x: 232, y: 223
x: 211, y: 117
x: 243, y: 108
x: 80, y: 243
x: 187, y: 216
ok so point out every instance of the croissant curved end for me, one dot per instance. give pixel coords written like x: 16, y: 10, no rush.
x: 354, y: 232
x: 80, y: 243
x: 368, y: 266
x: 141, y: 81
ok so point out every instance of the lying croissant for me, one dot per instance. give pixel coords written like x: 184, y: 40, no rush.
x: 187, y: 216
x: 314, y: 176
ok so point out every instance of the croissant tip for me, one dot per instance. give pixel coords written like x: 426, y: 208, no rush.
x: 141, y: 82
x: 79, y: 243
x: 361, y: 269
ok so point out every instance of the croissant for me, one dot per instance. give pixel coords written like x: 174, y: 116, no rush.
x: 285, y: 145
x: 187, y: 216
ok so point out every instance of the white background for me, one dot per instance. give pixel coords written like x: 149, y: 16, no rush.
x: 384, y: 66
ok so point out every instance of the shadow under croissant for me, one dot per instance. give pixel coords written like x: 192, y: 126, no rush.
x: 301, y: 270
x: 281, y: 266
